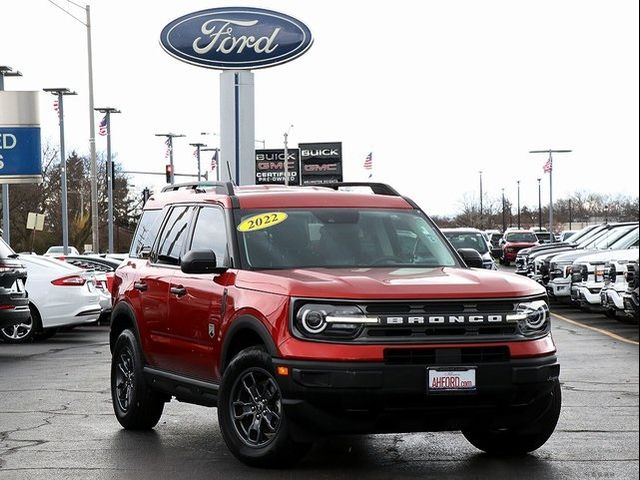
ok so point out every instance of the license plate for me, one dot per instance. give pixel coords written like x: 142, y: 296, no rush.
x: 451, y: 379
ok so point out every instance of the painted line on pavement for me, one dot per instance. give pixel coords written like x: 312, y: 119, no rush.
x: 599, y: 330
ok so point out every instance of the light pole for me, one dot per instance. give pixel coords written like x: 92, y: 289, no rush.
x: 198, y: 146
x: 92, y: 125
x: 606, y: 214
x: 570, y: 216
x: 217, y: 150
x: 170, y: 137
x: 481, y: 204
x: 540, y: 204
x: 519, y: 224
x: 504, y: 217
x: 548, y: 168
x: 286, y: 156
x: 60, y: 93
x: 107, y: 112
x: 6, y: 223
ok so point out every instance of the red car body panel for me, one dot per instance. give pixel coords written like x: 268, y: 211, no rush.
x: 510, y: 249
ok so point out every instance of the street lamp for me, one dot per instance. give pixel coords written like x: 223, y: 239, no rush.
x: 286, y: 155
x: 61, y: 93
x: 519, y: 224
x: 481, y: 205
x: 107, y: 117
x: 6, y: 223
x: 504, y: 218
x: 92, y: 125
x: 169, y: 142
x: 198, y: 146
x: 540, y: 204
x: 606, y: 214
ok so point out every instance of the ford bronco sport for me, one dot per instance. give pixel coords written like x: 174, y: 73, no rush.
x: 304, y: 311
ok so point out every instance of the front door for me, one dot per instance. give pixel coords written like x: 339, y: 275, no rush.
x: 196, y: 302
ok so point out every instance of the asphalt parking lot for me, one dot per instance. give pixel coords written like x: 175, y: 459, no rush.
x: 56, y: 422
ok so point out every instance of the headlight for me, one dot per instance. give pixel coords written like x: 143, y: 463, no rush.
x: 532, y: 317
x: 330, y: 321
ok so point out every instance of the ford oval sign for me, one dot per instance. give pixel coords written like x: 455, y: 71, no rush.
x: 236, y: 38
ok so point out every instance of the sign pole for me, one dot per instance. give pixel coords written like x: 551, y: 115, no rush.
x: 63, y: 175
x: 109, y: 171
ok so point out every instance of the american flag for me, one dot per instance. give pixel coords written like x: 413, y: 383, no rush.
x: 167, y: 150
x: 195, y: 152
x: 56, y: 107
x: 368, y: 162
x: 548, y: 167
x: 214, y: 160
x: 102, y: 128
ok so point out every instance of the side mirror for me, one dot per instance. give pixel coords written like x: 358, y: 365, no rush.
x: 200, y: 261
x: 471, y: 257
x: 144, y: 252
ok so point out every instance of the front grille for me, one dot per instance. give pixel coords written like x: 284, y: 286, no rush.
x: 445, y: 356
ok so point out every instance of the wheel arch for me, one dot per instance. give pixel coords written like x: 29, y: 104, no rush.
x: 122, y: 317
x: 245, y: 331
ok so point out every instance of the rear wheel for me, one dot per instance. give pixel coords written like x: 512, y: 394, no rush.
x: 250, y: 413
x: 136, y: 406
x: 520, y: 440
x: 23, y: 332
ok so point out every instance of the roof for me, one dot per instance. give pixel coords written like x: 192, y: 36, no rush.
x: 461, y: 230
x: 275, y: 196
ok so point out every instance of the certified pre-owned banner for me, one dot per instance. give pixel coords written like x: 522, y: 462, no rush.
x: 321, y: 162
x: 270, y: 166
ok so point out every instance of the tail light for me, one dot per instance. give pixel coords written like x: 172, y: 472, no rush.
x: 110, y: 276
x: 70, y: 281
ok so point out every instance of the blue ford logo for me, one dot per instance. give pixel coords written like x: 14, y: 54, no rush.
x: 236, y: 38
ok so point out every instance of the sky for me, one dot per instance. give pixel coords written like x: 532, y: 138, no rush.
x: 437, y: 90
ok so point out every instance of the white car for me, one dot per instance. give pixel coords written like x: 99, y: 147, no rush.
x: 60, y: 295
x: 58, y: 251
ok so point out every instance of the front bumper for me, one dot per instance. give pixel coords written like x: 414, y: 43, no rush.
x: 559, y: 288
x: 14, y: 309
x: 586, y: 295
x: 612, y: 299
x: 631, y: 303
x: 378, y: 397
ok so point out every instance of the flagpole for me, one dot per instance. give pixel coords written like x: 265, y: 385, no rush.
x: 109, y: 171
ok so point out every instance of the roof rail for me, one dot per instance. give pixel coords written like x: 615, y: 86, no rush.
x: 222, y: 188
x: 377, y: 188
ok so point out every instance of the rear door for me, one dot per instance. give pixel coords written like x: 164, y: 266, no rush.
x: 154, y: 282
x: 196, y: 301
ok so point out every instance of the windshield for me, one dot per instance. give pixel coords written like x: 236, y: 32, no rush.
x: 543, y: 236
x: 340, y: 238
x: 55, y: 250
x: 521, y: 237
x: 467, y: 240
x: 614, y: 236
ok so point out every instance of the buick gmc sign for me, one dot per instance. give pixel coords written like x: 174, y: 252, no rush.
x: 321, y: 163
x: 270, y: 166
x: 236, y: 38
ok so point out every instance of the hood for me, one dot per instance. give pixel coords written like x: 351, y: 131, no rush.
x: 545, y: 247
x: 390, y: 283
x: 544, y: 254
x: 518, y: 244
x: 573, y: 255
x: 627, y: 255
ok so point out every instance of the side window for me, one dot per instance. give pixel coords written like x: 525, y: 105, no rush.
x: 174, y: 235
x: 146, y: 232
x: 210, y: 232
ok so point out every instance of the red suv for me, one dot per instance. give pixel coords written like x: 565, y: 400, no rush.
x: 305, y: 311
x: 515, y: 241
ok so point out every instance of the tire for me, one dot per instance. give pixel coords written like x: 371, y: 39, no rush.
x: 520, y: 440
x: 24, y: 332
x: 249, y: 381
x: 136, y: 406
x: 45, y: 334
x: 611, y: 314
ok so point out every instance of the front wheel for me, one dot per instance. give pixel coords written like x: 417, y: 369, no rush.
x: 520, y: 440
x: 136, y: 406
x: 250, y: 413
x: 24, y: 332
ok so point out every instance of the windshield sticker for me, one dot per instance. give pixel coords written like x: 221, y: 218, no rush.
x: 261, y: 221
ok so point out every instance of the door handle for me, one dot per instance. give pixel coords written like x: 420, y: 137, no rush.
x: 178, y: 290
x: 141, y: 286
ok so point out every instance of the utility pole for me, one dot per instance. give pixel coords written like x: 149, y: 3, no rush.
x: 92, y: 125
x: 549, y: 168
x: 217, y: 155
x: 570, y: 216
x: 107, y: 112
x: 169, y: 140
x: 481, y: 204
x: 286, y: 156
x: 6, y: 219
x: 519, y: 224
x: 198, y: 147
x: 60, y: 93
x: 504, y: 218
x: 540, y: 204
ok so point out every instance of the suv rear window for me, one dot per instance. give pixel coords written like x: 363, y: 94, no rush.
x: 521, y: 237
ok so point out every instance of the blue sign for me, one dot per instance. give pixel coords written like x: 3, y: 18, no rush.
x: 20, y: 154
x: 233, y: 38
